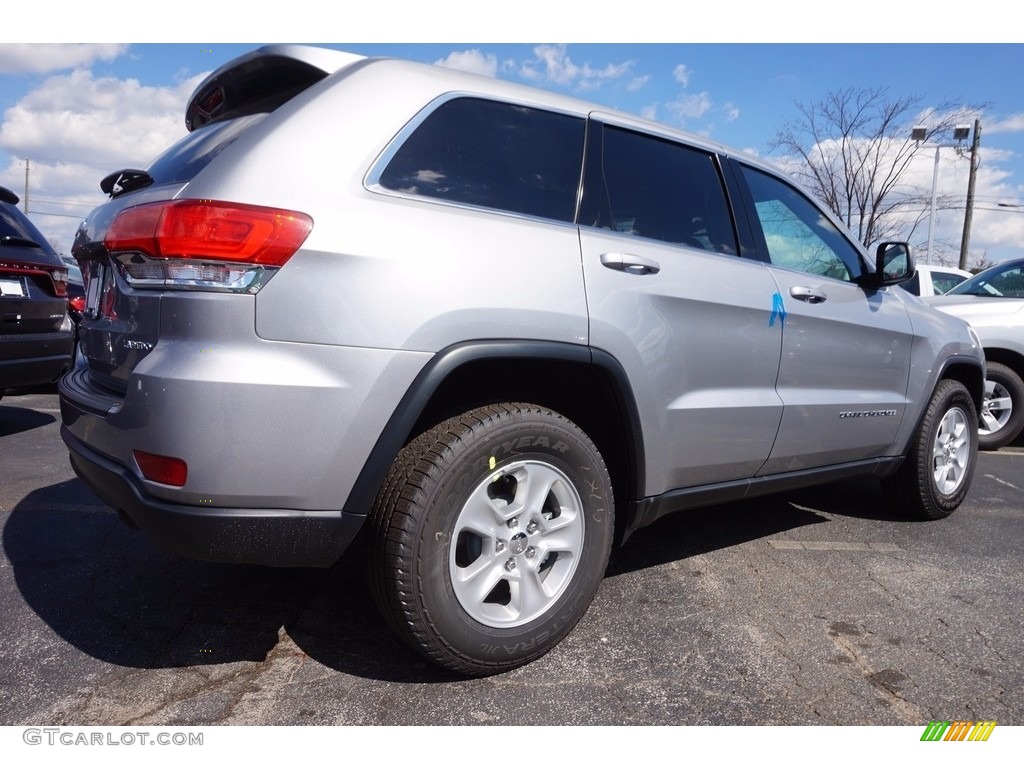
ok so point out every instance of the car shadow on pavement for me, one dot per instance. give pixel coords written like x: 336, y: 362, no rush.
x: 687, y: 533
x: 106, y: 590
x: 15, y: 419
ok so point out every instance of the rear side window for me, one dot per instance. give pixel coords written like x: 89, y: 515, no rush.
x: 659, y: 189
x: 494, y: 155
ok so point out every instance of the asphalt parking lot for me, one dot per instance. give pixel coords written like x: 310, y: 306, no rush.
x: 810, y: 608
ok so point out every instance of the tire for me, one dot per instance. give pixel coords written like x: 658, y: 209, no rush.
x: 936, y: 474
x: 490, y: 537
x: 1002, y: 415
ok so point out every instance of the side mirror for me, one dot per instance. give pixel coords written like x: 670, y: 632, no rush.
x: 893, y: 265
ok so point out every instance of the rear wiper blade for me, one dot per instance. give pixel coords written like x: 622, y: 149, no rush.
x: 125, y: 180
x: 15, y: 240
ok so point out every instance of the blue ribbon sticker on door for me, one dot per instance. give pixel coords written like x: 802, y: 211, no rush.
x: 778, y: 311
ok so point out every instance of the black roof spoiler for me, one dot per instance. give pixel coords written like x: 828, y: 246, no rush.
x: 6, y: 196
x: 261, y: 80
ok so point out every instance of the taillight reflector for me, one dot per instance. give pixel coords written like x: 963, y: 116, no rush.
x: 161, y: 469
x: 209, y: 230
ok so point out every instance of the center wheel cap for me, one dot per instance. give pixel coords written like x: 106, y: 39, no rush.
x: 518, y: 544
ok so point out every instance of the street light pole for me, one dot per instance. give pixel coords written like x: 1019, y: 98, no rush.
x: 931, y: 216
x: 969, y: 213
x: 960, y: 132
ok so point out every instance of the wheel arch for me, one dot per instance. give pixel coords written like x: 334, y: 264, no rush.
x: 587, y: 386
x: 1008, y: 357
x: 968, y: 372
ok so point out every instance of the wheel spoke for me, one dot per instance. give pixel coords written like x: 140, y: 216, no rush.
x: 529, y: 595
x: 482, y: 512
x: 990, y: 422
x: 534, y: 488
x: 568, y: 541
x: 1002, y: 403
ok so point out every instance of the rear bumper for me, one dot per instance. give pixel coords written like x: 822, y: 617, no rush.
x: 279, y: 537
x: 34, y: 359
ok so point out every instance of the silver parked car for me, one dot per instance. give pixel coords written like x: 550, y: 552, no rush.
x: 497, y: 328
x: 993, y: 303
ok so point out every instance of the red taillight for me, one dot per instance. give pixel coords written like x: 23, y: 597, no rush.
x: 56, y: 276
x: 161, y: 469
x: 209, y: 230
x: 60, y: 281
x: 77, y: 303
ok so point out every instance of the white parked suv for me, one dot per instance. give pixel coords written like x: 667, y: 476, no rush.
x: 931, y: 280
x: 496, y: 329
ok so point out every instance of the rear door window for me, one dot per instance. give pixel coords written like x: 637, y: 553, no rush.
x: 651, y: 187
x: 495, y: 155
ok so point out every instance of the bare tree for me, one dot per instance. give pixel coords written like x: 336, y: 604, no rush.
x: 853, y: 149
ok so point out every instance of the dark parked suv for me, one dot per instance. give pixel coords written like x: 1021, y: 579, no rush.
x: 36, y: 335
x: 492, y: 327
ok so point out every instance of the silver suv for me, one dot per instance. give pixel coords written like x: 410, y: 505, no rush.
x: 494, y: 328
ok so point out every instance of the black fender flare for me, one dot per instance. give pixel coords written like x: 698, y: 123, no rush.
x: 400, y: 425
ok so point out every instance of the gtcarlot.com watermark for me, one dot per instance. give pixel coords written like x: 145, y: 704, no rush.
x: 77, y: 737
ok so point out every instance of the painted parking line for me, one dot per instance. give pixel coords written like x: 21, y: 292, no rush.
x: 835, y: 546
x: 1002, y: 482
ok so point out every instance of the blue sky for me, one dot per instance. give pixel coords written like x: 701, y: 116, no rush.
x: 78, y: 112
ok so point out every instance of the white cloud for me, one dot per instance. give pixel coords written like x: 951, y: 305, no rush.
x: 109, y: 121
x: 638, y: 83
x: 553, y: 64
x: 682, y: 74
x: 691, y: 106
x: 37, y: 58
x: 1011, y: 124
x: 471, y: 61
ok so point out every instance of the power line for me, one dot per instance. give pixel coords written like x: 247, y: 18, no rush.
x: 53, y: 201
x: 34, y: 212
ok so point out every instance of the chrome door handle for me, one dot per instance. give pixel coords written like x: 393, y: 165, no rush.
x: 629, y: 262
x: 807, y: 294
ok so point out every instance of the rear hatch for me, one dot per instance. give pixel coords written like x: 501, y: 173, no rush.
x: 33, y: 280
x: 150, y: 243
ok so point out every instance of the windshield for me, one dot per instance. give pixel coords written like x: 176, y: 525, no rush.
x: 1000, y: 281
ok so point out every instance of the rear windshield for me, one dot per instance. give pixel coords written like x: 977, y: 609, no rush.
x: 16, y: 228
x: 190, y: 155
x: 1003, y: 281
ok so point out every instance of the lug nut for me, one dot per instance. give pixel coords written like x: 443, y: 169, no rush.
x: 513, y: 522
x: 531, y: 552
x: 510, y: 564
x: 532, y: 527
x: 499, y: 545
